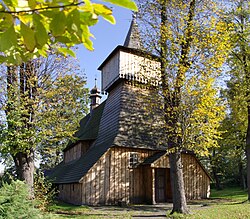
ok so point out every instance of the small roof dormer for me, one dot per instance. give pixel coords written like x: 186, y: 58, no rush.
x: 129, y: 62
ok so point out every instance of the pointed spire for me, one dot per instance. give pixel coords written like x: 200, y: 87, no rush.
x: 133, y: 39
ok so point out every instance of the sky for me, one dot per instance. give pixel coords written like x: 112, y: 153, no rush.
x: 107, y: 37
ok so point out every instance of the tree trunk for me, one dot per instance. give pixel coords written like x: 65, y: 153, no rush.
x: 241, y: 175
x: 25, y: 167
x: 176, y: 174
x: 245, y: 61
x: 27, y: 90
x: 171, y: 120
x: 248, y: 150
x: 214, y: 166
x: 172, y: 103
x: 216, y: 178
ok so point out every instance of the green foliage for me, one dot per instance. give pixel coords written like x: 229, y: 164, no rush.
x: 202, y: 113
x: 16, y: 203
x: 29, y: 29
x: 42, y: 112
x: 8, y: 176
x: 237, y: 92
x: 192, y: 43
x: 61, y: 108
x: 44, y: 191
x: 230, y: 159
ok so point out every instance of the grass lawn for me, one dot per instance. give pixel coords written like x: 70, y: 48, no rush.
x: 229, y: 203
x: 64, y: 210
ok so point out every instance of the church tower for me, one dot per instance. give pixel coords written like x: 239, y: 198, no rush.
x: 129, y: 62
x: 124, y: 121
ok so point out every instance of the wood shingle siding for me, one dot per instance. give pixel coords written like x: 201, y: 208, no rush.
x: 109, y: 122
x: 136, y: 119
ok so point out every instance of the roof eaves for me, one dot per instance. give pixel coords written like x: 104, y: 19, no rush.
x: 154, y: 158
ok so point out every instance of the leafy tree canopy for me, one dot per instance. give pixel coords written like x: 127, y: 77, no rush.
x: 31, y: 28
x: 41, y: 103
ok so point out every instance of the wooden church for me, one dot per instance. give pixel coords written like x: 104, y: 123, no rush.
x: 119, y: 157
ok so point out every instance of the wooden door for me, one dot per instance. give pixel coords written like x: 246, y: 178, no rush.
x: 160, y: 185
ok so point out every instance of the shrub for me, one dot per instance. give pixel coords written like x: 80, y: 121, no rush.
x: 15, y: 202
x: 43, y: 191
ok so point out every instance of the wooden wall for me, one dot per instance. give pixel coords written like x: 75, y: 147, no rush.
x: 77, y: 151
x: 127, y: 65
x: 138, y: 68
x: 197, y: 182
x: 111, y: 180
x: 162, y: 162
x: 71, y: 193
x: 110, y: 71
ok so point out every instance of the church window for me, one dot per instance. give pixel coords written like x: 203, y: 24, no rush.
x: 133, y: 159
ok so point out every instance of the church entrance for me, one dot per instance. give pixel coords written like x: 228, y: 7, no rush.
x: 160, y: 185
x: 163, y: 191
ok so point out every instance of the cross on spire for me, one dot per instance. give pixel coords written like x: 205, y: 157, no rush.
x: 95, y: 81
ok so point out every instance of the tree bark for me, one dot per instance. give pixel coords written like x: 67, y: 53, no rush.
x: 24, y: 90
x: 176, y: 174
x: 172, y: 104
x: 216, y: 178
x: 245, y: 64
x: 241, y: 175
x: 24, y: 163
x: 248, y: 150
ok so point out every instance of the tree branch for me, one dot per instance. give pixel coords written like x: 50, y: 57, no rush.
x: 42, y: 8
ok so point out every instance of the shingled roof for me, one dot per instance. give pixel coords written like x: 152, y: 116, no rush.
x: 133, y: 39
x: 153, y: 158
x: 73, y: 171
x: 89, y: 126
